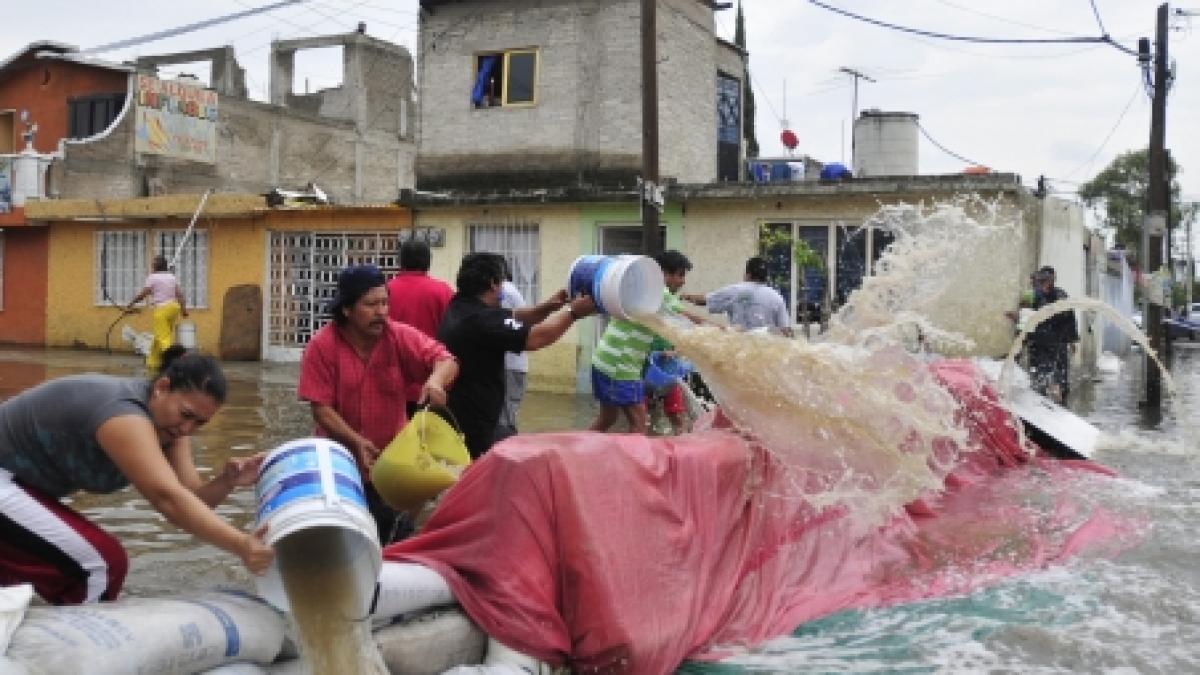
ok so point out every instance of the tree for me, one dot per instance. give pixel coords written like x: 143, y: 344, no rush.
x: 739, y: 39
x: 1121, y: 190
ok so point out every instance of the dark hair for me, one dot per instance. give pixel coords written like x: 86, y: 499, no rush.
x: 504, y: 265
x: 160, y: 263
x: 478, y: 272
x: 190, y: 371
x: 673, y: 262
x: 414, y: 255
x: 756, y: 269
x: 353, y: 283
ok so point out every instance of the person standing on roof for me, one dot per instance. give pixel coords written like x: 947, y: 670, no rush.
x: 166, y: 296
x: 417, y: 299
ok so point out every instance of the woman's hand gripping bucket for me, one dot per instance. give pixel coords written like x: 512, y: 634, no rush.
x: 425, y: 458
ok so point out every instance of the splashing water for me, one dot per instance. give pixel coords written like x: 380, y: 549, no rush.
x: 857, y: 418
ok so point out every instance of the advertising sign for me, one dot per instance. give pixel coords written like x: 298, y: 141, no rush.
x: 176, y: 119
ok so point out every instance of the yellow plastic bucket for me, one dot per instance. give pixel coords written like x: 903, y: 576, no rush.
x: 425, y: 458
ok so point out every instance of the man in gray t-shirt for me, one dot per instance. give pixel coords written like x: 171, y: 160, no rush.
x: 750, y: 303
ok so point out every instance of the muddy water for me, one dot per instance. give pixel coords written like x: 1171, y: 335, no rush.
x: 262, y: 412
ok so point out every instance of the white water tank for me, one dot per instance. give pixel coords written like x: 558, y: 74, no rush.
x: 885, y: 144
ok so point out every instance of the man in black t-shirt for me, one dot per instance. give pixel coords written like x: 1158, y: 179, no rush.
x: 1051, y: 343
x: 479, y: 332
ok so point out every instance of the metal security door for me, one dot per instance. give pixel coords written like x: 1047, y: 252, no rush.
x: 303, y: 278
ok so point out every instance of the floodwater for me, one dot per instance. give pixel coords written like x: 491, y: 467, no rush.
x: 1139, y: 611
x: 261, y: 412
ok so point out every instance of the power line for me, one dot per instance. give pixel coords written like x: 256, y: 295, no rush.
x: 1099, y: 21
x: 171, y: 32
x: 1108, y: 136
x: 1001, y: 18
x: 943, y: 148
x: 1103, y: 39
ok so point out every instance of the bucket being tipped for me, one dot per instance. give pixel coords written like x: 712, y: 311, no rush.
x: 311, y: 499
x: 624, y: 286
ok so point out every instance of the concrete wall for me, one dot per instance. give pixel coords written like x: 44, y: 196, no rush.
x: 585, y: 127
x: 552, y: 368
x: 259, y: 146
x: 237, y: 254
x: 23, y: 313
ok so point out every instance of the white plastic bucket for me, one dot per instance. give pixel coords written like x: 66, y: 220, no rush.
x: 311, y: 488
x: 185, y: 334
x: 624, y: 286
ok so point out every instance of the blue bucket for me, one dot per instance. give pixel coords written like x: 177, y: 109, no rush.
x: 585, y: 276
x: 311, y: 487
x: 622, y: 286
x: 663, y: 371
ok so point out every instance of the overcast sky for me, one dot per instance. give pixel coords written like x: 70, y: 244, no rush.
x: 1062, y: 110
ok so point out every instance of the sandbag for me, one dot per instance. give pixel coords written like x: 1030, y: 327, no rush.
x: 404, y: 588
x: 141, y: 635
x: 431, y: 643
x: 13, y: 602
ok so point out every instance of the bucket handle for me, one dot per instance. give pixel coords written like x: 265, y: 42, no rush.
x: 328, y: 486
x: 428, y: 407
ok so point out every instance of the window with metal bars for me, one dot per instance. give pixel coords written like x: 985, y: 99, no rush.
x: 120, y: 263
x: 192, y: 267
x: 519, y: 243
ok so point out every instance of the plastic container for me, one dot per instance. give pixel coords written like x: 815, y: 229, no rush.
x: 185, y: 334
x: 424, y: 459
x: 663, y: 371
x: 311, y: 488
x: 624, y: 286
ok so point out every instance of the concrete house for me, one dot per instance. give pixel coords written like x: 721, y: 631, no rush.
x: 48, y: 95
x: 126, y: 156
x: 547, y: 93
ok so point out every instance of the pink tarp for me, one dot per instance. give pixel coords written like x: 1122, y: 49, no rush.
x: 621, y: 553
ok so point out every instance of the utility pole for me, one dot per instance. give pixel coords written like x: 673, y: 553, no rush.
x: 1159, y: 202
x: 856, y: 76
x: 650, y: 192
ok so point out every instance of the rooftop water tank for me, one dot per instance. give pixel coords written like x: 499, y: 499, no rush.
x: 885, y: 144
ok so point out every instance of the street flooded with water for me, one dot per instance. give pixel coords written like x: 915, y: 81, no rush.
x: 1139, y: 610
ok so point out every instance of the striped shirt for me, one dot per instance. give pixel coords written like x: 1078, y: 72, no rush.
x: 623, y: 347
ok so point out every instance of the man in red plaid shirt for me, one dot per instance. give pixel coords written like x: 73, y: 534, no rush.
x: 355, y: 370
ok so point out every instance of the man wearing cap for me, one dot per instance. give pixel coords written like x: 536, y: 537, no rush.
x: 1052, y: 341
x: 355, y: 372
x: 479, y: 332
x: 750, y: 303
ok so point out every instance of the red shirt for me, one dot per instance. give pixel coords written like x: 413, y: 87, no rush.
x: 418, y: 300
x: 369, y: 395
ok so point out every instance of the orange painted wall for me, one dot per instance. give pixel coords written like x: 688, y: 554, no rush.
x: 43, y: 86
x: 23, y: 317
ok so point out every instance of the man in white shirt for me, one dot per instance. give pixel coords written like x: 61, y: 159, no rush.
x: 516, y: 364
x: 750, y: 303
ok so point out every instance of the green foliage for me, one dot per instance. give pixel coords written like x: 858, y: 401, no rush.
x: 1121, y: 190
x: 802, y: 254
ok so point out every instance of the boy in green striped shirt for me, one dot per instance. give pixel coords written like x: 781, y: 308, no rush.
x: 619, y: 357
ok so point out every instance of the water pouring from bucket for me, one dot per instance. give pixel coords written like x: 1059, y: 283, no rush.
x: 327, y: 553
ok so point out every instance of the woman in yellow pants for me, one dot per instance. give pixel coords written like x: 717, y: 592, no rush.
x: 166, y: 296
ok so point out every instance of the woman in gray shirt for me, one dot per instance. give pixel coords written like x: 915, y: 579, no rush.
x: 100, y: 433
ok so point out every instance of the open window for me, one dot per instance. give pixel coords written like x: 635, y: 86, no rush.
x: 507, y: 78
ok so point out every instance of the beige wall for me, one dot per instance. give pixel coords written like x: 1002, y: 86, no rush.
x: 551, y: 368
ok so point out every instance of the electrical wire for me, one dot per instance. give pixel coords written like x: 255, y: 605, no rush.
x: 1103, y: 39
x: 944, y: 149
x: 1087, y: 163
x: 188, y: 28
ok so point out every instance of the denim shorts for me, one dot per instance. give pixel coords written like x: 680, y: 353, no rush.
x: 619, y: 393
